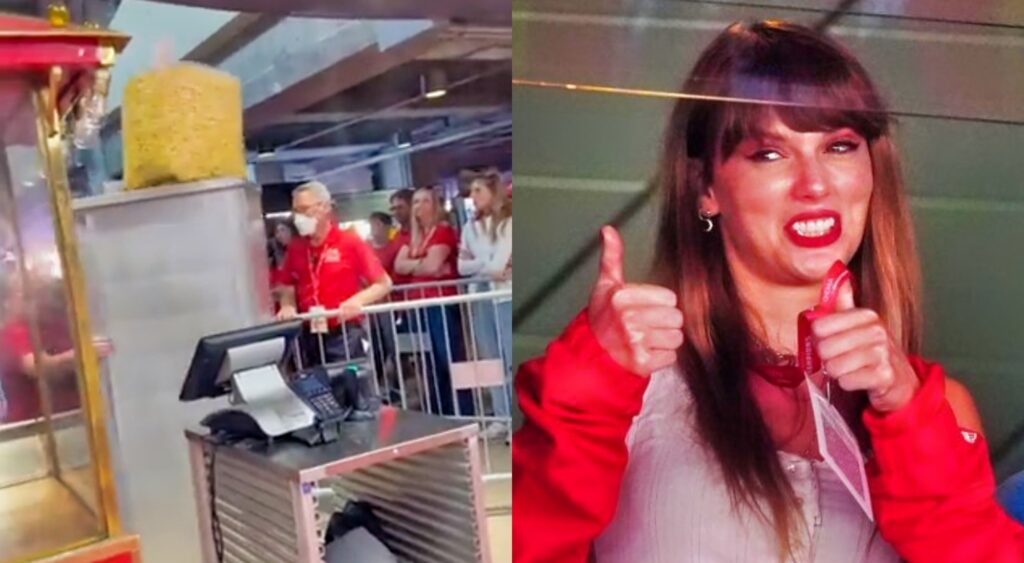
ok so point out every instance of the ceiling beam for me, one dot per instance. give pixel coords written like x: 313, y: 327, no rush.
x: 361, y: 62
x: 454, y: 137
x: 238, y: 32
x: 291, y: 155
x: 400, y: 113
x: 470, y: 11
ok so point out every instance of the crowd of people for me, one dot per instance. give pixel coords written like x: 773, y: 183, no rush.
x: 414, y: 251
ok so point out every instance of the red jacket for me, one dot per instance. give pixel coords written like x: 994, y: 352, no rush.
x: 932, y: 490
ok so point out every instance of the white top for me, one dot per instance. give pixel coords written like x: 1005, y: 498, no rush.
x: 489, y: 257
x: 674, y: 506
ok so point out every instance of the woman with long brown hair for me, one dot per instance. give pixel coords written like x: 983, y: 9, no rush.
x: 673, y: 422
x: 486, y: 252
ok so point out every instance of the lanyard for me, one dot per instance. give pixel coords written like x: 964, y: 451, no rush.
x: 314, y: 275
x: 807, y: 356
x: 421, y: 249
x: 808, y: 361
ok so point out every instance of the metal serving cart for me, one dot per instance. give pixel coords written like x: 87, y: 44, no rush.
x: 271, y: 502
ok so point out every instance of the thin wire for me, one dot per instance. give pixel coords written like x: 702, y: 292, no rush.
x: 642, y: 92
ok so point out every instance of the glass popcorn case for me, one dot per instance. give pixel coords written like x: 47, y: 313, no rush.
x: 56, y: 486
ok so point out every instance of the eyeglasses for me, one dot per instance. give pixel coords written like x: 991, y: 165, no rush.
x: 305, y: 209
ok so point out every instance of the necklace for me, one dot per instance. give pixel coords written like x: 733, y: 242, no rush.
x: 780, y: 369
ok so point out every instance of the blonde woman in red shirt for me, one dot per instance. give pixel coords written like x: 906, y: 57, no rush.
x: 431, y: 256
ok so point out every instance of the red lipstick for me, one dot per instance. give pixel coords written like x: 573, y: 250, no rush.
x: 814, y: 229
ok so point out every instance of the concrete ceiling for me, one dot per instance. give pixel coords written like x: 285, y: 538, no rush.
x: 329, y: 93
x: 471, y: 11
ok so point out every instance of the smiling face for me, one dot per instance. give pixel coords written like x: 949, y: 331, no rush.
x: 790, y: 204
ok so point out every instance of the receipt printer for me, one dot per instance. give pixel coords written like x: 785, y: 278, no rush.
x: 245, y: 364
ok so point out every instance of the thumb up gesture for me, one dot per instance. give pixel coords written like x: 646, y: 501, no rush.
x: 857, y: 352
x: 638, y: 325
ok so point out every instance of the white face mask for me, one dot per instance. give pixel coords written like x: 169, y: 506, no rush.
x: 305, y: 224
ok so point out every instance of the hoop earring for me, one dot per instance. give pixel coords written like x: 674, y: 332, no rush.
x: 709, y: 225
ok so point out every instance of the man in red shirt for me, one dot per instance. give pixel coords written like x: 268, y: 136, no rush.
x: 327, y: 268
x: 383, y: 334
x: 380, y: 240
x: 401, y: 210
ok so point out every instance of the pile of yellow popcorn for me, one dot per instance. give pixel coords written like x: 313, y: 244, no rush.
x: 182, y: 123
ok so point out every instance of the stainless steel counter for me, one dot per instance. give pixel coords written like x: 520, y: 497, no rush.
x: 396, y: 433
x: 272, y: 502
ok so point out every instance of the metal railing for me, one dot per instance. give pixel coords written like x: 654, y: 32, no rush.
x: 442, y: 348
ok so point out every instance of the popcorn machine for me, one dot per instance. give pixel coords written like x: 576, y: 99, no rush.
x: 57, y: 495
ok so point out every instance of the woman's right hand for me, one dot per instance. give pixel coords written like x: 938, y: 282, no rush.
x: 639, y: 325
x: 287, y: 313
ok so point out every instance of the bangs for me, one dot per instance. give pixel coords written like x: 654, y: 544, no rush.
x: 807, y: 84
x: 738, y: 122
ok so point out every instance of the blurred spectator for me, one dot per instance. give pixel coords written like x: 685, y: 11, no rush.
x: 381, y: 239
x: 20, y: 369
x: 432, y: 250
x: 431, y: 256
x: 284, y: 232
x: 486, y: 252
x: 486, y: 248
x: 401, y: 211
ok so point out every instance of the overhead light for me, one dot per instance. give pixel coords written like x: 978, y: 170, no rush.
x: 403, y: 139
x: 263, y: 155
x: 434, y: 85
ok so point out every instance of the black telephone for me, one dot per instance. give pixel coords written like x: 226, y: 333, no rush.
x: 314, y: 388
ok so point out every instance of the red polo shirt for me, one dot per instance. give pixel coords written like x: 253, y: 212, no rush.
x: 401, y: 239
x: 443, y: 235
x: 329, y: 274
x: 22, y: 390
x: 386, y: 254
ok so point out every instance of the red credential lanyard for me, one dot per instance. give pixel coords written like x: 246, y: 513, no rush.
x: 808, y: 361
x: 314, y: 275
x: 807, y: 357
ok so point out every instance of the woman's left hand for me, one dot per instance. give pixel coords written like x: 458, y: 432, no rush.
x: 857, y: 352
x: 503, y: 275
